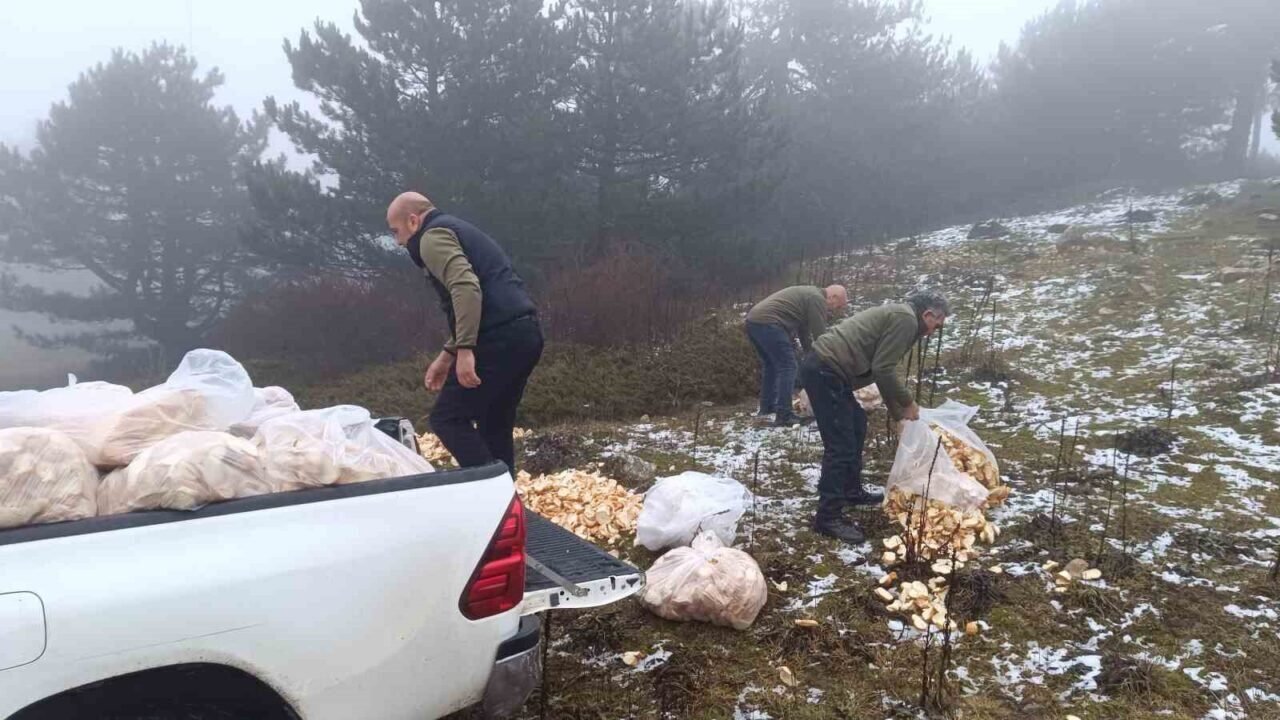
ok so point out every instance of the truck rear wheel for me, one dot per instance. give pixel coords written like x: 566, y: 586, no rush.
x: 182, y: 692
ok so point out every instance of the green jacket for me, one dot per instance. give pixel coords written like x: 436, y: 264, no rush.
x: 800, y: 310
x: 867, y: 347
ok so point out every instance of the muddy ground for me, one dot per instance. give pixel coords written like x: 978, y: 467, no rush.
x: 1170, y: 487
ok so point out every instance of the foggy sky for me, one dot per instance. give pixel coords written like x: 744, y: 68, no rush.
x: 48, y: 43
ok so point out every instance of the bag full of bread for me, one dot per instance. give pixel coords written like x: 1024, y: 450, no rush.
x: 44, y: 477
x: 707, y: 582
x: 268, y: 403
x: 869, y: 397
x: 940, y: 458
x: 337, y: 445
x: 76, y: 410
x: 185, y: 471
x: 209, y: 391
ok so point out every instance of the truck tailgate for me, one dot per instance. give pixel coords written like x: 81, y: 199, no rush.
x: 566, y: 571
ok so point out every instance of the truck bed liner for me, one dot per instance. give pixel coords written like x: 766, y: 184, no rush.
x: 569, y: 556
x: 586, y: 576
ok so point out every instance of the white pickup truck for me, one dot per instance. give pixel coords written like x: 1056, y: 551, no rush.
x: 410, y: 597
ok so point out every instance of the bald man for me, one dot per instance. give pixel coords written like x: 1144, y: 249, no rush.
x: 774, y: 325
x: 494, y: 341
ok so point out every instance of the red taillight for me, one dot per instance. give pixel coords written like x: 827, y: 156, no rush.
x: 497, y: 585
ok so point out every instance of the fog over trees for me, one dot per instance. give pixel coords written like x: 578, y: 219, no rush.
x: 707, y: 143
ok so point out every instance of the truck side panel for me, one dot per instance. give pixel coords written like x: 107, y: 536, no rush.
x: 347, y: 607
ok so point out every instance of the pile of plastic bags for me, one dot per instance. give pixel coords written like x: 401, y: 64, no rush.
x: 204, y: 435
x: 703, y: 578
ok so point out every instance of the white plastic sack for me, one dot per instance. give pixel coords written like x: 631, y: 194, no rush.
x: 209, y: 391
x: 268, y: 402
x: 76, y: 410
x: 801, y: 405
x: 678, y: 508
x: 707, y: 582
x: 337, y: 445
x: 184, y: 472
x: 44, y: 477
x: 916, y: 451
x: 869, y: 397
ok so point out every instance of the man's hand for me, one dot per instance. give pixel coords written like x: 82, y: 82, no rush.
x: 467, y: 377
x: 438, y: 372
x: 911, y: 412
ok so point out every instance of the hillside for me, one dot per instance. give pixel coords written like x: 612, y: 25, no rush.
x: 1184, y: 622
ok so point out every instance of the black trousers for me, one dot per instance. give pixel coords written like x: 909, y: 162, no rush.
x: 842, y: 423
x: 475, y: 424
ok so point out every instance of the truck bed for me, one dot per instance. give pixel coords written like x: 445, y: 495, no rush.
x: 569, y: 559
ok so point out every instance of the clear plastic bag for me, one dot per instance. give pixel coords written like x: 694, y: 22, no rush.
x: 801, y: 405
x: 184, y: 472
x: 208, y: 391
x: 268, y: 403
x: 869, y: 397
x: 707, y: 582
x: 337, y: 445
x: 677, y: 508
x: 76, y: 410
x: 917, y: 448
x: 44, y: 477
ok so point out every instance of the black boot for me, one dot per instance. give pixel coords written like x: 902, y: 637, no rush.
x: 838, y: 528
x: 791, y: 420
x: 864, y: 496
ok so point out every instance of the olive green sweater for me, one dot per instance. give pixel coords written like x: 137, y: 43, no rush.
x: 800, y: 310
x: 443, y: 257
x: 867, y: 347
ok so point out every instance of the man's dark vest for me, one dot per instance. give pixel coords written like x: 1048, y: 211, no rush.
x: 503, y: 293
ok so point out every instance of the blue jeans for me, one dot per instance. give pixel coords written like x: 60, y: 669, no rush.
x: 778, y: 367
x: 842, y: 423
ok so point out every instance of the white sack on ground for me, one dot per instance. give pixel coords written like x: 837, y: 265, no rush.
x: 707, y: 582
x: 184, y: 472
x: 44, y: 477
x: 678, y: 508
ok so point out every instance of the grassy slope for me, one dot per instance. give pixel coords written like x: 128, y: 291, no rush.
x: 1088, y: 337
x: 709, y: 361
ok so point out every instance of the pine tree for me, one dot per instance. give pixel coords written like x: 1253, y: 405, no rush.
x: 136, y: 180
x: 676, y: 143
x: 870, y: 105
x: 1136, y: 89
x: 458, y: 99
